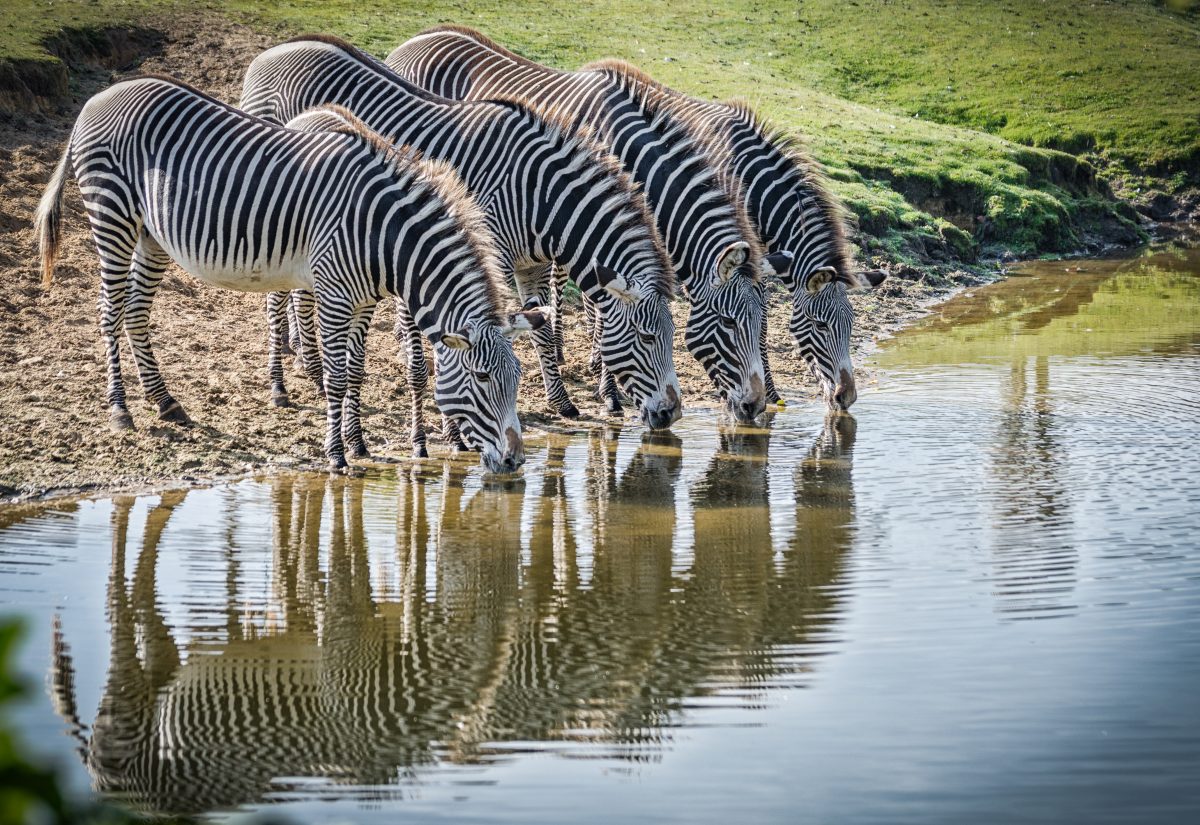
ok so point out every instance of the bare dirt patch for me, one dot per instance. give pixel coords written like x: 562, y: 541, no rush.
x: 212, y: 344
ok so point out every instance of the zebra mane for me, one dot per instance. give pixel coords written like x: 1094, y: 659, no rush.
x: 620, y: 185
x: 330, y: 117
x: 713, y: 135
x: 652, y: 96
x: 553, y: 128
x: 441, y: 179
x: 614, y: 65
x: 811, y: 177
x: 465, y: 211
x: 680, y: 126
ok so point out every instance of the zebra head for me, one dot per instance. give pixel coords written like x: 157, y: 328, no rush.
x: 636, y: 333
x: 723, y: 331
x: 822, y: 320
x: 476, y: 386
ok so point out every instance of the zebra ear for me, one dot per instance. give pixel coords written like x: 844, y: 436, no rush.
x: 777, y: 263
x: 525, y: 321
x: 600, y: 277
x: 456, y: 340
x: 459, y: 341
x: 818, y: 279
x: 730, y: 259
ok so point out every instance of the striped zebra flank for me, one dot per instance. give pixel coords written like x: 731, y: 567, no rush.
x: 168, y: 173
x: 548, y: 196
x: 699, y: 211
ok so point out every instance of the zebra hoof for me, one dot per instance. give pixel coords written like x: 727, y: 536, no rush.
x: 280, y: 401
x: 568, y: 410
x: 359, y: 451
x: 612, y: 406
x: 173, y: 413
x: 560, y: 359
x: 420, y: 451
x: 338, y: 464
x: 120, y: 420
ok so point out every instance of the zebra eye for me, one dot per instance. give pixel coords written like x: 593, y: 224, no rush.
x: 728, y: 322
x: 482, y: 377
x: 821, y: 325
x: 646, y: 338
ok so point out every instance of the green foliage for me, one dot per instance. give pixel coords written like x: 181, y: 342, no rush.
x: 27, y: 792
x: 923, y: 112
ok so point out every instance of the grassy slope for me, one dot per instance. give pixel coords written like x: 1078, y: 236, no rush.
x: 804, y: 64
x: 25, y: 23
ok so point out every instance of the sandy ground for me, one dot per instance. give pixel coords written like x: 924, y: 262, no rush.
x: 212, y: 344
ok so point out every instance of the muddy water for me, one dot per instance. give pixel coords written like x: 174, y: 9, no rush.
x: 978, y: 598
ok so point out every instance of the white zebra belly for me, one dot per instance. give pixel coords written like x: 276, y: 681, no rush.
x: 255, y: 276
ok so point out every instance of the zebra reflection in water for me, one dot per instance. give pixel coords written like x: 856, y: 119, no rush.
x: 497, y: 619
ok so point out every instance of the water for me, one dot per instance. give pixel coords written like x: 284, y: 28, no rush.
x: 977, y: 599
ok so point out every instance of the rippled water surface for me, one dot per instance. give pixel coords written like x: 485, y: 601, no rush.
x: 977, y: 600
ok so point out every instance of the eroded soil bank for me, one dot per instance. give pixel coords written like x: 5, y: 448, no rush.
x: 212, y: 345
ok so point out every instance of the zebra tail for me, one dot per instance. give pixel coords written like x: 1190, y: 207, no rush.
x: 48, y: 218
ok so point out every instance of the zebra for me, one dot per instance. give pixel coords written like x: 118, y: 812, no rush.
x: 795, y: 215
x: 549, y: 195
x: 797, y: 220
x: 167, y: 172
x: 716, y: 254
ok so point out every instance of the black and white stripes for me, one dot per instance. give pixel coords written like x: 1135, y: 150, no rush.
x: 799, y: 222
x: 169, y: 173
x: 710, y: 241
x: 548, y: 196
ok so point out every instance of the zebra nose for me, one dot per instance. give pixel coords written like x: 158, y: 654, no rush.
x: 661, y: 419
x: 747, y: 411
x: 845, y: 394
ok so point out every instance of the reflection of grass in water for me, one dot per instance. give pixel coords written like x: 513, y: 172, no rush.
x: 1123, y: 311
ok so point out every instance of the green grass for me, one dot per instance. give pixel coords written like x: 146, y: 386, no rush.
x: 24, y: 24
x: 927, y: 114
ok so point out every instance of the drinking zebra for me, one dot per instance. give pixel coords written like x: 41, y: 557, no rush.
x: 167, y: 172
x: 714, y: 248
x: 784, y: 196
x: 788, y: 201
x: 548, y: 195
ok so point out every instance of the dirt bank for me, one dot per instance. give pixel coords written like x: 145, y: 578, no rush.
x: 212, y: 344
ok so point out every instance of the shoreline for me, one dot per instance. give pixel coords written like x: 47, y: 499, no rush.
x: 914, y: 302
x: 212, y: 344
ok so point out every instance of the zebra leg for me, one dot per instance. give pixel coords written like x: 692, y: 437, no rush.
x: 293, y: 342
x: 608, y: 392
x: 412, y: 344
x: 452, y: 436
x: 116, y: 254
x: 356, y: 362
x: 543, y: 340
x: 768, y: 379
x: 306, y: 336
x: 288, y: 342
x: 592, y: 316
x: 337, y: 313
x: 558, y: 280
x: 277, y: 317
x: 146, y: 272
